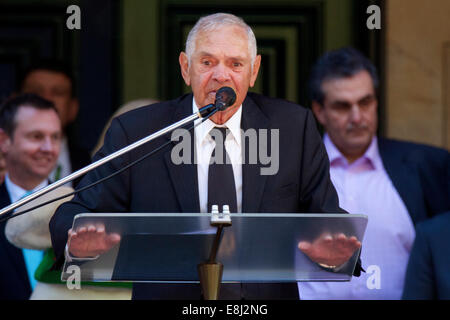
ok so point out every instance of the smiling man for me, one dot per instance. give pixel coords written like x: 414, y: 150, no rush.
x: 30, y: 137
x: 220, y: 51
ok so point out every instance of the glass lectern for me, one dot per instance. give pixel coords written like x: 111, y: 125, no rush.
x: 255, y: 248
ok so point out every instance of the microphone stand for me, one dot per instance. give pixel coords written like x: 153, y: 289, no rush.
x: 204, y: 112
x: 210, y: 272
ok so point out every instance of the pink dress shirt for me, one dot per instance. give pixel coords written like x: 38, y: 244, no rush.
x: 364, y: 187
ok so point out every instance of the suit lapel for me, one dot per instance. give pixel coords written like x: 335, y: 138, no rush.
x: 14, y: 254
x: 4, y: 196
x: 405, y: 178
x: 253, y: 182
x: 184, y: 176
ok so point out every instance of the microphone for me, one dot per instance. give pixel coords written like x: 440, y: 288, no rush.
x: 225, y: 97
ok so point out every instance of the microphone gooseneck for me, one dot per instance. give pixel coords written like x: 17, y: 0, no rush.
x: 225, y: 97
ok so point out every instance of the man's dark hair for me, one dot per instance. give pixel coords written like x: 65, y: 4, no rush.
x: 52, y: 65
x: 10, y: 107
x: 338, y: 64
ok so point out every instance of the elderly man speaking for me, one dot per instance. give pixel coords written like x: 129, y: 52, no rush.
x: 220, y: 51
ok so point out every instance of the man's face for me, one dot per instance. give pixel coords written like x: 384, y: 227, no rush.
x: 221, y: 58
x: 349, y: 113
x: 32, y: 151
x: 55, y: 87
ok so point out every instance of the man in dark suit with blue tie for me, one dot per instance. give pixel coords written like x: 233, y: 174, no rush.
x: 220, y: 51
x: 30, y: 135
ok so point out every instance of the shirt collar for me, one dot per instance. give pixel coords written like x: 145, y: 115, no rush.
x: 233, y: 124
x: 16, y: 192
x: 372, y: 154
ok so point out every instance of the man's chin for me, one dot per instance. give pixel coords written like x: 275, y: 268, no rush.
x: 223, y: 116
x: 43, y: 171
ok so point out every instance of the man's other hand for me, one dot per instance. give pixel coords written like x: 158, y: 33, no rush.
x: 330, y: 250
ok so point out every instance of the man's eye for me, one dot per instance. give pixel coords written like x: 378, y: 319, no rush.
x: 237, y: 64
x: 341, y: 106
x: 37, y: 91
x: 59, y: 93
x: 365, y: 102
x: 36, y: 136
x: 206, y: 63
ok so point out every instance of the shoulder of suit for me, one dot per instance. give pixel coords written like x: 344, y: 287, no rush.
x: 436, y: 226
x: 414, y: 148
x: 158, y: 113
x: 154, y: 108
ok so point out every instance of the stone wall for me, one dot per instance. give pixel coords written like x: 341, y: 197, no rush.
x: 418, y: 71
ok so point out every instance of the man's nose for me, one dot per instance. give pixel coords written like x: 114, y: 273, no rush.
x: 355, y: 113
x: 47, y: 145
x: 221, y: 73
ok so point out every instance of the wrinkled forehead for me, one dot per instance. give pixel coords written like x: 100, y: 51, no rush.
x: 227, y: 40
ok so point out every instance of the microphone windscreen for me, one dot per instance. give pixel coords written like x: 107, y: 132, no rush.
x: 30, y: 230
x: 225, y: 97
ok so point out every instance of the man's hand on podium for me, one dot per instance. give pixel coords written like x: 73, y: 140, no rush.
x: 331, y: 251
x: 90, y: 241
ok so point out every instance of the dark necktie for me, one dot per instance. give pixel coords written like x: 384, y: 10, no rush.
x: 221, y: 187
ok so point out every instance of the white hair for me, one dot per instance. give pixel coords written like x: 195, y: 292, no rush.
x: 212, y: 23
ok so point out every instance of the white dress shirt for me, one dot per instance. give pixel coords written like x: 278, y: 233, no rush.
x: 204, y: 146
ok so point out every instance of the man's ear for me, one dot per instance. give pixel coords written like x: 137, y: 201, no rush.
x: 255, y: 70
x: 5, y: 141
x: 184, y: 66
x: 318, y: 112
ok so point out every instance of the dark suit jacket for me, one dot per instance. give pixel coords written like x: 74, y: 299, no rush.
x: 420, y: 174
x: 302, y: 183
x: 427, y: 275
x: 14, y: 282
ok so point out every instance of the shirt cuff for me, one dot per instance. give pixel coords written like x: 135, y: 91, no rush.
x: 70, y: 258
x: 334, y: 268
